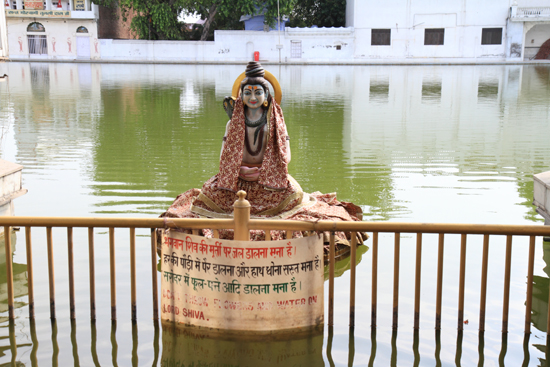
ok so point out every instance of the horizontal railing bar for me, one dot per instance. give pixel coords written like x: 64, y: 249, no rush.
x: 392, y: 227
x: 290, y: 225
x: 191, y: 223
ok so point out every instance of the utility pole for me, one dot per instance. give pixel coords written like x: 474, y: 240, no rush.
x: 279, y: 46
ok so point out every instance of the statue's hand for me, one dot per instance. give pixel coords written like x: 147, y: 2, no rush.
x: 229, y: 105
x: 249, y: 173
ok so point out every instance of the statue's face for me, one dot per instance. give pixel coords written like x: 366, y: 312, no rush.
x: 253, y: 95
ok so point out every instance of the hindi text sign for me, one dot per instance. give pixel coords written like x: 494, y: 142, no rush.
x: 34, y: 4
x: 242, y: 285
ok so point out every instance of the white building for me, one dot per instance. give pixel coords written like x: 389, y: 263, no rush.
x: 49, y: 30
x: 435, y: 29
x: 3, y: 35
x: 392, y: 31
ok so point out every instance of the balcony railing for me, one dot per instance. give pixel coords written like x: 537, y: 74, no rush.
x: 530, y: 14
x: 69, y: 9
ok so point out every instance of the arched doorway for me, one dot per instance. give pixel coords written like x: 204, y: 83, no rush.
x: 534, y: 38
x: 38, y: 44
x: 82, y: 43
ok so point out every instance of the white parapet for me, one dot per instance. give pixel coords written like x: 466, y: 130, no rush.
x: 10, y: 187
x: 541, y: 195
x: 532, y: 14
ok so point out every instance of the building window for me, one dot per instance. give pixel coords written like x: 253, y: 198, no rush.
x: 37, y: 43
x: 81, y: 30
x: 434, y: 36
x: 380, y: 37
x: 296, y: 49
x: 491, y: 36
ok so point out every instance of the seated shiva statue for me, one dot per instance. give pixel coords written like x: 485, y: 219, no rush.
x: 254, y: 158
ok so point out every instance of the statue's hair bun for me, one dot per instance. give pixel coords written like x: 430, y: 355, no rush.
x: 254, y: 70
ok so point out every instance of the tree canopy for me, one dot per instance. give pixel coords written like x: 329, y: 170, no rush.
x: 160, y: 19
x: 320, y: 13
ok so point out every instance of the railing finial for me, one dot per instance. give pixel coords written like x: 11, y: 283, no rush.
x: 241, y: 201
x: 241, y: 215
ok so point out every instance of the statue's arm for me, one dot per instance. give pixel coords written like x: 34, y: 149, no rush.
x: 224, y: 137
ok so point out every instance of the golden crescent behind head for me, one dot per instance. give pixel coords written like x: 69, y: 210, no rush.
x: 268, y: 76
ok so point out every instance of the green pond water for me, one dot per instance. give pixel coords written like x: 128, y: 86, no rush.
x: 452, y: 144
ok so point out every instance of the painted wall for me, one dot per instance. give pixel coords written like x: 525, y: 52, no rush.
x: 463, y: 22
x: 62, y: 42
x: 3, y: 34
x: 316, y: 45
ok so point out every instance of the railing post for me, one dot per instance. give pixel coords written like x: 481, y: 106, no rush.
x: 353, y: 255
x: 51, y: 272
x: 396, y: 279
x: 30, y: 275
x: 241, y: 216
x: 374, y: 290
x: 91, y: 259
x: 9, y: 271
x: 112, y: 272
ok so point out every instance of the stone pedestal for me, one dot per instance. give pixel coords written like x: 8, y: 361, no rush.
x: 10, y: 187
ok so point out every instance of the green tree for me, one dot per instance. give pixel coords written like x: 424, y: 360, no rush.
x: 321, y: 13
x: 151, y: 19
x: 159, y: 19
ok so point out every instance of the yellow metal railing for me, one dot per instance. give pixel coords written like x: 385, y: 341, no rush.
x: 242, y: 224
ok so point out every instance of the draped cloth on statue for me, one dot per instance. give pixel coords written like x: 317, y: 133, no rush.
x: 275, y: 163
x: 275, y: 195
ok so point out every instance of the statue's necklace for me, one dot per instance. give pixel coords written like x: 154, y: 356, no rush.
x: 259, y: 125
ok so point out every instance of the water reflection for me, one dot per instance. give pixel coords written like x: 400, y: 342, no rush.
x: 19, y: 278
x: 144, y: 133
x: 185, y: 345
x: 431, y: 90
x: 487, y: 89
x: 413, y: 143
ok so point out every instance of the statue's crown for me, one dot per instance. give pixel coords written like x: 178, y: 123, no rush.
x: 254, y: 70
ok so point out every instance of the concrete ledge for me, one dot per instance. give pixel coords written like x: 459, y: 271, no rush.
x: 7, y: 168
x: 541, y: 192
x: 297, y: 62
x: 8, y: 198
x: 541, y: 196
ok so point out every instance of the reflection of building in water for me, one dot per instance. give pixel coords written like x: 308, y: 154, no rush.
x: 441, y: 121
x: 58, y: 29
x: 539, y: 308
x: 56, y: 106
x: 19, y: 278
x: 192, y: 346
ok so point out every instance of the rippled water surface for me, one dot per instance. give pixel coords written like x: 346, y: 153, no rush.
x: 406, y: 143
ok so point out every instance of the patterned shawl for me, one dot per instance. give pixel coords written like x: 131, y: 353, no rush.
x: 274, y: 170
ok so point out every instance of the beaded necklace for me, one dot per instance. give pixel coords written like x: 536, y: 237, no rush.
x: 259, y: 125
